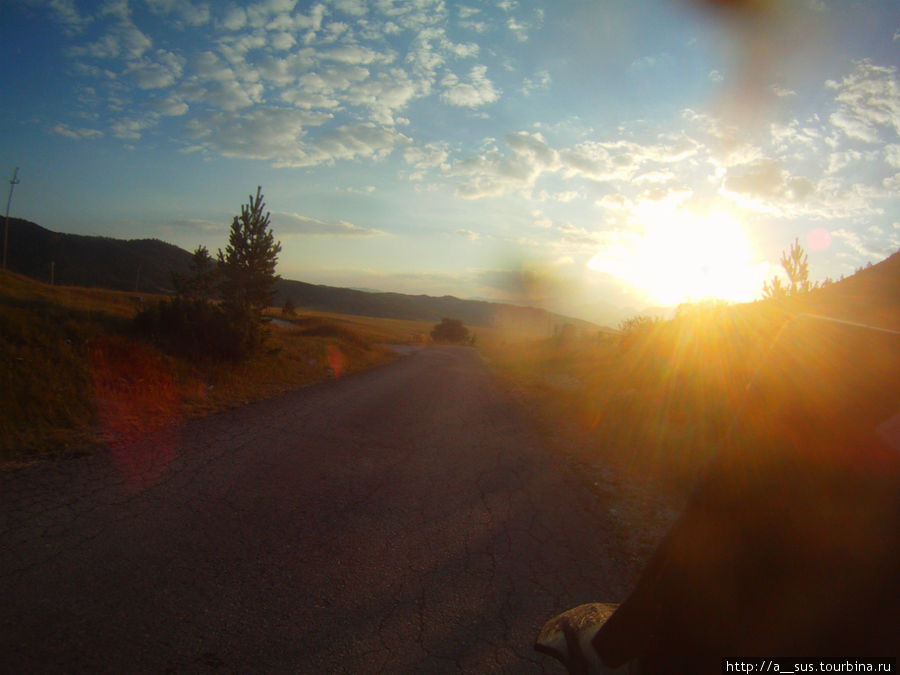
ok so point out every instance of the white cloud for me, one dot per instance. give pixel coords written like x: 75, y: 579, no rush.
x: 643, y: 63
x: 520, y: 30
x: 188, y: 13
x: 565, y: 197
x: 263, y: 133
x: 766, y: 180
x: 293, y: 224
x: 132, y: 128
x: 725, y: 145
x: 169, y: 106
x: 592, y: 159
x: 796, y: 139
x: 767, y: 187
x: 468, y: 234
x: 474, y: 26
x: 493, y: 174
x: 76, y: 133
x: 716, y: 76
x: 162, y: 71
x: 839, y: 160
x: 384, y: 95
x: 351, y: 7
x: 781, y: 92
x: 122, y: 40
x: 232, y: 95
x: 867, y: 246
x: 354, y: 54
x: 540, y: 82
x: 282, y: 41
x: 65, y: 13
x: 477, y: 91
x: 327, y: 87
x: 425, y: 157
x: 615, y: 201
x: 350, y: 141
x: 235, y: 18
x: 892, y: 155
x: 868, y: 101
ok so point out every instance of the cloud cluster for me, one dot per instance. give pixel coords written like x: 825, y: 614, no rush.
x: 293, y: 224
x: 279, y: 81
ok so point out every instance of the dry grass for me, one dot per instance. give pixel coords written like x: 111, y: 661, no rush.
x: 76, y: 376
x: 655, y: 402
x: 393, y: 331
x: 635, y: 418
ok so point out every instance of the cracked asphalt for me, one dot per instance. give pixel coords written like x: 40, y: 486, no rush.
x: 404, y: 519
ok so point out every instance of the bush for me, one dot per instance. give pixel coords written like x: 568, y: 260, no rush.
x: 199, y: 330
x: 450, y: 330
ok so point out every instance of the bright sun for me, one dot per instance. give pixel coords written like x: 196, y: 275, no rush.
x: 675, y: 256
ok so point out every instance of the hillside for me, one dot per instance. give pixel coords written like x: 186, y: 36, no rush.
x: 423, y: 307
x: 141, y: 265
x: 871, y: 296
x: 76, y: 373
x: 146, y: 266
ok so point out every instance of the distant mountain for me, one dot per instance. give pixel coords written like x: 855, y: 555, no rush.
x: 146, y: 265
x: 142, y: 265
x: 422, y: 307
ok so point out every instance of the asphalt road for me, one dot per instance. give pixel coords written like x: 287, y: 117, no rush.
x: 405, y: 519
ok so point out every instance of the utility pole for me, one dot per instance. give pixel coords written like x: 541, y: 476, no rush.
x: 12, y: 183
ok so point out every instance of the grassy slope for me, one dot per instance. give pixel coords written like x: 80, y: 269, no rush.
x: 74, y: 375
x: 657, y: 403
x: 635, y: 419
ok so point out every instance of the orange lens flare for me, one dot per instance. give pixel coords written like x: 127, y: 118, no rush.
x: 137, y: 403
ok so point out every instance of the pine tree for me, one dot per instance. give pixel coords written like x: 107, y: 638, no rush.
x: 796, y: 267
x: 199, y: 283
x: 248, y: 263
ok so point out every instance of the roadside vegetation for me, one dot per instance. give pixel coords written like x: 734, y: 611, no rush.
x: 452, y: 331
x: 656, y: 399
x: 83, y: 367
x: 78, y: 373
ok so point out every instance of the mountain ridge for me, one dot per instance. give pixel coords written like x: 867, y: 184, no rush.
x: 146, y: 265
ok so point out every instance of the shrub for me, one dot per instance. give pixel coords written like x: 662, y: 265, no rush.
x: 450, y: 330
x: 198, y: 330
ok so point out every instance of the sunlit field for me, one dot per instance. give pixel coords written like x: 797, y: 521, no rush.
x: 655, y: 401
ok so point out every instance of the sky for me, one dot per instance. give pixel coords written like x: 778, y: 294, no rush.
x: 595, y: 157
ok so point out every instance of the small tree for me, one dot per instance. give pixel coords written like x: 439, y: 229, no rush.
x: 450, y: 330
x: 248, y: 263
x: 288, y: 310
x: 796, y: 267
x: 774, y: 288
x: 199, y: 282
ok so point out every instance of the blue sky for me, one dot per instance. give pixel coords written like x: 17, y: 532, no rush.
x: 587, y: 156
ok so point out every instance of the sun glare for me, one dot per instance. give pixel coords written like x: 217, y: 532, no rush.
x: 675, y: 256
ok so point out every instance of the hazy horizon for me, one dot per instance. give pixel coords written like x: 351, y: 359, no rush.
x: 563, y: 154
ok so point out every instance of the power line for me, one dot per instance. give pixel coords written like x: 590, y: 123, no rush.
x: 12, y: 183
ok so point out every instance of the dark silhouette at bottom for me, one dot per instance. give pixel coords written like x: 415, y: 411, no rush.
x: 790, y: 543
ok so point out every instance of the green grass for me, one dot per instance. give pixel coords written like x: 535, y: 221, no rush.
x: 75, y: 375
